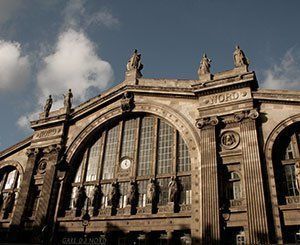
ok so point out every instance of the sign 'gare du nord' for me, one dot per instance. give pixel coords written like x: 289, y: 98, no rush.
x: 166, y: 161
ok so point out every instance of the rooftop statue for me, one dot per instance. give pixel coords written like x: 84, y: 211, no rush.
x: 47, y: 106
x: 204, y: 65
x: 134, y: 63
x: 239, y: 58
x: 68, y: 99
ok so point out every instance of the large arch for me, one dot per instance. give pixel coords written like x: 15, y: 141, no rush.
x: 268, y: 150
x: 177, y: 120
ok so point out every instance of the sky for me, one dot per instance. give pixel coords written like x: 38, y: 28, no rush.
x: 49, y: 46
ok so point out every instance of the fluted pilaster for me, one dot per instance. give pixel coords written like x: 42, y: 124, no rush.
x: 209, y: 181
x: 256, y: 208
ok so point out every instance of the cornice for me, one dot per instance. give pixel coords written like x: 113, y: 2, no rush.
x: 277, y: 96
x: 20, y: 145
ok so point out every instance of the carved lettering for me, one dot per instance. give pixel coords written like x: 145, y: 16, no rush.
x: 47, y: 133
x: 221, y: 98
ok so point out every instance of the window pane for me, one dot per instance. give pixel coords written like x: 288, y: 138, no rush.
x: 165, y: 146
x: 128, y: 138
x: 111, y: 153
x: 142, y: 187
x: 79, y: 171
x: 184, y: 162
x: 9, y: 184
x: 164, y: 190
x: 146, y: 146
x: 186, y: 192
x: 94, y: 156
x: 290, y: 179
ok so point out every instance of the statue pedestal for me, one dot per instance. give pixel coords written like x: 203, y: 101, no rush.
x: 205, y: 77
x: 132, y: 76
x: 127, y: 210
x: 107, y: 211
x: 169, y: 208
x: 241, y: 69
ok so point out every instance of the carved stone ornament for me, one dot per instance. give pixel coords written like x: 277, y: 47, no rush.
x: 127, y: 102
x: 96, y: 197
x: 80, y: 196
x: 132, y: 193
x: 239, y: 58
x: 52, y: 148
x: 32, y: 151
x: 42, y: 167
x: 151, y: 191
x: 297, y: 175
x: 173, y: 190
x: 252, y: 114
x: 68, y: 100
x: 47, y: 106
x: 114, y: 194
x: 230, y: 140
x: 208, y: 121
x: 134, y: 63
x: 204, y: 66
x: 8, y: 202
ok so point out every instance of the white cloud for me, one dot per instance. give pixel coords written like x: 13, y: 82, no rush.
x: 286, y: 74
x: 73, y: 64
x: 76, y: 16
x: 14, y: 68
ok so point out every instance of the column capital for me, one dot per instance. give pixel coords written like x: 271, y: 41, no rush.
x: 240, y: 116
x: 52, y: 148
x: 32, y: 152
x: 207, y: 121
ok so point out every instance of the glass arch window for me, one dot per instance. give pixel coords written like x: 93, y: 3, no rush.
x: 154, y: 149
x: 9, y: 186
x: 289, y: 159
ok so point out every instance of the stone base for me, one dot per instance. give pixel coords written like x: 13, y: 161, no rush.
x: 105, y: 211
x: 205, y: 77
x: 169, y: 208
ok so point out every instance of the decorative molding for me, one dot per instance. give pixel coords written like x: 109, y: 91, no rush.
x: 127, y: 103
x: 52, y: 148
x: 230, y: 139
x: 206, y: 121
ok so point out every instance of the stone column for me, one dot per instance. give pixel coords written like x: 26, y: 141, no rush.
x: 23, y: 194
x: 52, y: 153
x: 256, y: 208
x: 209, y: 182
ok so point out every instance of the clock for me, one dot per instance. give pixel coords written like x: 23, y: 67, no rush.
x: 125, y: 163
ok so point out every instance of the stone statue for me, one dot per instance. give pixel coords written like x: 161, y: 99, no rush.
x: 204, y: 65
x: 47, y: 106
x: 114, y: 194
x: 80, y: 196
x: 297, y: 175
x: 173, y: 190
x: 68, y: 100
x: 8, y: 202
x: 239, y: 58
x: 96, y: 196
x: 134, y: 63
x: 132, y: 193
x: 151, y: 191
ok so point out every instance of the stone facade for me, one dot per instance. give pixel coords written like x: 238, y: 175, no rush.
x: 233, y: 131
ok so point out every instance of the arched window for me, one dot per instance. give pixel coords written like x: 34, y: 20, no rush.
x: 289, y: 160
x: 286, y: 159
x: 9, y: 186
x: 139, y: 147
x: 234, y: 190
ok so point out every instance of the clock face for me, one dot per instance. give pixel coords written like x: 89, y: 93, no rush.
x: 125, y: 164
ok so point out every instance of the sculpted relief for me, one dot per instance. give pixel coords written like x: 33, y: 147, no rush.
x: 230, y: 140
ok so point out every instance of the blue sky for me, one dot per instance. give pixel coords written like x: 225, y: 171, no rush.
x: 52, y: 45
